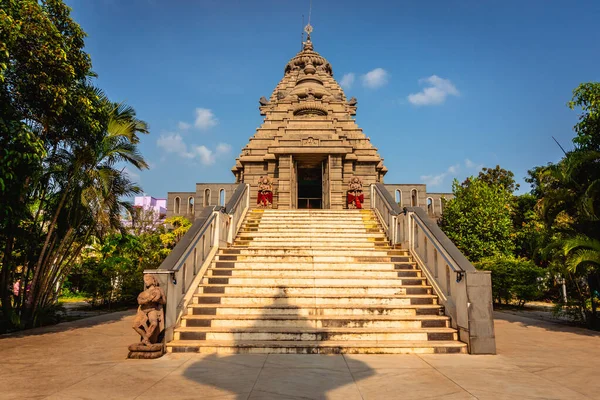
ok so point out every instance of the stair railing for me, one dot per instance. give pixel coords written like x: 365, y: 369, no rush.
x: 181, y: 272
x: 465, y: 292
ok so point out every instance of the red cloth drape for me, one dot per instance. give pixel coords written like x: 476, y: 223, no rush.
x: 264, y: 198
x: 356, y: 199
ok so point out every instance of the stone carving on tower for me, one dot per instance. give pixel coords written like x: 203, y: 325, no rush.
x: 308, y: 123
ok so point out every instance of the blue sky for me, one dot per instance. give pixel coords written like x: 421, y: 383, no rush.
x: 443, y: 87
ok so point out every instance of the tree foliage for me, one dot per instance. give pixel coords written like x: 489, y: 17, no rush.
x: 513, y: 278
x: 478, y: 219
x: 499, y: 176
x: 63, y: 145
x: 587, y: 98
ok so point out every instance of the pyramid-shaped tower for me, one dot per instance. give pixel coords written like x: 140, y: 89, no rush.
x: 309, y: 143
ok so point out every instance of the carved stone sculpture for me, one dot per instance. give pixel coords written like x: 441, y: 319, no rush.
x: 265, y: 192
x: 149, y: 321
x: 355, y: 196
x: 263, y: 101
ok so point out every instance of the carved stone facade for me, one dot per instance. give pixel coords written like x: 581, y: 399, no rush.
x: 309, y: 142
x: 309, y: 145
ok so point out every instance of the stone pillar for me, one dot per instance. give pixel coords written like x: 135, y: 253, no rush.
x: 336, y: 182
x: 284, y: 191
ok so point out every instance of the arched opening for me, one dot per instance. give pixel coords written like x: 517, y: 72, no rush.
x: 399, y: 197
x: 430, y: 206
x: 222, y: 197
x: 206, y: 197
x: 414, y: 200
x: 190, y: 205
x: 177, y: 205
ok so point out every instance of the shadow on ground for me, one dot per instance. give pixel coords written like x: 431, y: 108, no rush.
x: 524, y: 320
x: 277, y: 376
x: 106, y: 318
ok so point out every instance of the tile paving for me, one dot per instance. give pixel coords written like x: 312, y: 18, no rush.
x: 85, y: 359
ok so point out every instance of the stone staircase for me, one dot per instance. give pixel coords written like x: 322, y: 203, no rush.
x: 314, y: 281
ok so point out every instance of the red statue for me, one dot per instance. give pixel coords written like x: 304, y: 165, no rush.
x: 355, y: 197
x: 265, y: 192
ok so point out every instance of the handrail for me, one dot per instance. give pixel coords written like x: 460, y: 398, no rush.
x: 388, y: 199
x: 174, y: 260
x: 183, y: 269
x: 467, y: 300
x: 433, y: 231
x: 235, y: 199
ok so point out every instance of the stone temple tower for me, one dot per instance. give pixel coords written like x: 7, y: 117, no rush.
x: 309, y: 143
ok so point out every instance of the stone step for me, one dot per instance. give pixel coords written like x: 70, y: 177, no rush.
x: 293, y: 235
x: 311, y: 241
x: 309, y: 259
x: 310, y: 223
x: 286, y: 266
x: 311, y: 229
x: 314, y: 334
x: 295, y: 272
x: 316, y: 321
x: 298, y: 244
x: 313, y: 290
x: 308, y: 310
x: 370, y: 281
x: 312, y: 252
x: 309, y: 299
x: 318, y: 347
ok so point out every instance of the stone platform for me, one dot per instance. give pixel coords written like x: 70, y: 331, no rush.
x: 86, y: 359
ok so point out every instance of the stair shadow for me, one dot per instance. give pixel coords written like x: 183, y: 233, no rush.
x: 277, y: 376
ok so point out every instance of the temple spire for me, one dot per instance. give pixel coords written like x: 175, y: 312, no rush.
x: 308, y: 44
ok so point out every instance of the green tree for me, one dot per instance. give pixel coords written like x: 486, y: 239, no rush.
x: 499, y: 176
x: 513, y: 278
x: 587, y: 97
x: 180, y: 226
x: 478, y: 219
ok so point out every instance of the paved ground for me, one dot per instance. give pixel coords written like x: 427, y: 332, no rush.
x: 85, y: 359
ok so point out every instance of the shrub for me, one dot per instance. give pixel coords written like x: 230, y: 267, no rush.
x: 513, y: 278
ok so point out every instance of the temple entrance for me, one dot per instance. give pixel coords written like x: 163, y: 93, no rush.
x: 310, y: 186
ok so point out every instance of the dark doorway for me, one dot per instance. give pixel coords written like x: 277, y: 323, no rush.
x: 310, y: 187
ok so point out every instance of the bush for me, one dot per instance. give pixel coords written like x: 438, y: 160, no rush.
x: 513, y: 278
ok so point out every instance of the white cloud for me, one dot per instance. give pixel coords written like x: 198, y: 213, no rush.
x: 347, y: 80
x: 184, y: 126
x: 437, y: 180
x: 205, y: 155
x: 205, y: 119
x: 376, y: 78
x: 471, y: 165
x: 436, y: 93
x: 223, y: 148
x: 173, y: 143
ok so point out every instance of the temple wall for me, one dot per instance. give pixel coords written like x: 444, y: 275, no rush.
x: 177, y: 204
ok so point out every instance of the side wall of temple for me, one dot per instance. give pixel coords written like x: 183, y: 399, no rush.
x: 415, y: 195
x: 190, y: 204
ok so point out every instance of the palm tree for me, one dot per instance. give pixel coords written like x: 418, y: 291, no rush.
x: 87, y: 187
x: 583, y: 253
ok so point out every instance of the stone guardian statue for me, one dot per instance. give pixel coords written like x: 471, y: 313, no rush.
x: 149, y: 321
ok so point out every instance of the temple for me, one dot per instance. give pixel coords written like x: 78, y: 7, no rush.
x: 307, y: 151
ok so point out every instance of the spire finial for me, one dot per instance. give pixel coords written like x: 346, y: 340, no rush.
x: 308, y: 29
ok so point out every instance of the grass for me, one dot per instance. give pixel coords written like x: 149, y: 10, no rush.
x: 72, y: 299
